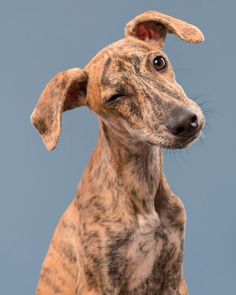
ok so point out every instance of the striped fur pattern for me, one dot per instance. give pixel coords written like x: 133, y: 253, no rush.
x: 124, y: 232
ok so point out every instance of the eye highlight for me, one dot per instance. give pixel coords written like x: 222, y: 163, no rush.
x: 115, y: 97
x: 159, y: 63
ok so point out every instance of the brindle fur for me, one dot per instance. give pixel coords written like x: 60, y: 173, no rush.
x: 124, y: 232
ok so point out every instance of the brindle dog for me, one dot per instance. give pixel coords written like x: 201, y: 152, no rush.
x: 124, y: 232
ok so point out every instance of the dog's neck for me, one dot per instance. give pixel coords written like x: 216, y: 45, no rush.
x: 134, y: 166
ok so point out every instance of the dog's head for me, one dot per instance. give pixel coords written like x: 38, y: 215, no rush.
x: 131, y: 86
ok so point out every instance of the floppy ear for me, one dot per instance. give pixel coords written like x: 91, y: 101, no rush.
x: 153, y: 25
x: 66, y: 91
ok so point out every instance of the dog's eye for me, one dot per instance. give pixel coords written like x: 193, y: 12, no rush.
x: 159, y: 63
x: 115, y: 97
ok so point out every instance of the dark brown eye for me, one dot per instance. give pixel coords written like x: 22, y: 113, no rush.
x: 159, y: 63
x: 115, y: 97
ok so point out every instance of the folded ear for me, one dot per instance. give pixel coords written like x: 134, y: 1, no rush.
x: 153, y: 25
x: 66, y: 91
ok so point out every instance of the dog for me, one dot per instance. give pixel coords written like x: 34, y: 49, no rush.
x: 124, y: 232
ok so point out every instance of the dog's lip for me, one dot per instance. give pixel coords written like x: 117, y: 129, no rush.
x: 182, y: 140
x: 189, y: 136
x: 185, y: 141
x: 195, y: 135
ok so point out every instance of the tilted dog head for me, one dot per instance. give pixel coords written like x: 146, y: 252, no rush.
x: 131, y: 86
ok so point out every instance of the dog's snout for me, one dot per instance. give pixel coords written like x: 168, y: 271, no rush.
x: 183, y: 122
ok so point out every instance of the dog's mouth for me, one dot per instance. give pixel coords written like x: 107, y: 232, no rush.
x: 184, y: 141
x: 171, y: 141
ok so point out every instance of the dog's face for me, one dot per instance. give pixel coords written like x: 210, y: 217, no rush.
x: 131, y: 86
x: 137, y: 93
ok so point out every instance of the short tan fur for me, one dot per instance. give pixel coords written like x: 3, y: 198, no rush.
x: 124, y: 232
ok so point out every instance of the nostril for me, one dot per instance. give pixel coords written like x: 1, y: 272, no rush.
x: 194, y: 121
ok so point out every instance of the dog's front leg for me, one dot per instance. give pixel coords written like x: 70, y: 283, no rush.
x: 102, y: 255
x: 173, y: 217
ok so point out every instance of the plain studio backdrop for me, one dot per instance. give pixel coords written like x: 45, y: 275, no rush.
x: 39, y: 39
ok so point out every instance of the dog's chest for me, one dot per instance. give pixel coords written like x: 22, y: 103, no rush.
x: 154, y: 251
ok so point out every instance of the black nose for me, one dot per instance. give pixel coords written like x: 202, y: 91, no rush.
x: 183, y: 122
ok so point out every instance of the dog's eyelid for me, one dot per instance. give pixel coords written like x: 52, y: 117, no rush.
x: 114, y: 97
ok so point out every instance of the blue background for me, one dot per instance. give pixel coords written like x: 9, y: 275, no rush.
x: 41, y: 38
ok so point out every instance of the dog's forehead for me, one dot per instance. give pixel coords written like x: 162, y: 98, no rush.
x: 123, y: 50
x: 129, y: 46
x: 115, y: 63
